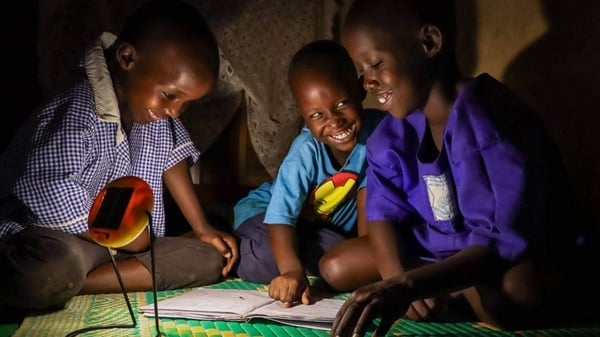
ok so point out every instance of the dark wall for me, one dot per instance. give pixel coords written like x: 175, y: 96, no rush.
x: 19, y: 83
x: 558, y: 75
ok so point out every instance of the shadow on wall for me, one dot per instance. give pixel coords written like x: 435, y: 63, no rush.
x: 466, y: 40
x: 557, y: 76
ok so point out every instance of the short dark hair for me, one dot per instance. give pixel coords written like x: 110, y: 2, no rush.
x: 325, y: 56
x: 390, y: 14
x: 171, y: 20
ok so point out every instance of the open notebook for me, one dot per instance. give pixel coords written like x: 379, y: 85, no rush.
x: 244, y: 305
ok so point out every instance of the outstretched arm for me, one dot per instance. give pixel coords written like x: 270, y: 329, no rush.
x: 390, y: 299
x: 179, y: 183
x: 291, y: 285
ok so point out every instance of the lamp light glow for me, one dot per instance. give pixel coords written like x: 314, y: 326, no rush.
x: 119, y: 212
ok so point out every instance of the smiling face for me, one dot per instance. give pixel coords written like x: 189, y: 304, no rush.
x: 158, y: 82
x: 393, y: 66
x: 330, y: 109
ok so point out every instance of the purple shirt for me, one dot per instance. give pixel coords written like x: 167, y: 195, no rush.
x: 496, y: 182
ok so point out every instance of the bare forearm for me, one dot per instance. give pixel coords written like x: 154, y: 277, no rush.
x: 283, y: 244
x: 465, y: 269
x: 361, y: 214
x: 385, y: 248
x: 179, y: 183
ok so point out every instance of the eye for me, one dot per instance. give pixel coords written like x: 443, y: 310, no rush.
x: 315, y: 115
x: 169, y: 96
x: 341, y: 104
x: 359, y: 72
x: 377, y: 65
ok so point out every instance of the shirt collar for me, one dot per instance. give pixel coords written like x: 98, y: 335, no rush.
x: 107, y: 105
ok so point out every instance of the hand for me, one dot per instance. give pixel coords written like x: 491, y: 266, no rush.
x: 290, y: 288
x: 387, y: 299
x: 225, y: 243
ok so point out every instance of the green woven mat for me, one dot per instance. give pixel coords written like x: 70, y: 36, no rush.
x: 109, y: 309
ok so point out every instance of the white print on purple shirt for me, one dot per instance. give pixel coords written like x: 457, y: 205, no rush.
x: 441, y: 200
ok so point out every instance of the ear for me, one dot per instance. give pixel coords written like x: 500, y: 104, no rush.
x: 431, y: 40
x: 126, y: 55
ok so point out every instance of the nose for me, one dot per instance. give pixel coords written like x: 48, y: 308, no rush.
x: 369, y: 80
x: 173, y: 113
x: 175, y: 109
x: 335, y: 119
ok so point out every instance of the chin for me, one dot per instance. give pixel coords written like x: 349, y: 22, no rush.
x: 399, y: 113
x: 346, y: 146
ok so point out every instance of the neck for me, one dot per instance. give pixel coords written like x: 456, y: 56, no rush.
x: 446, y: 83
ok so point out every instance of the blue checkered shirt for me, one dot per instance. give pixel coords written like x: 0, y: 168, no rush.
x: 57, y: 168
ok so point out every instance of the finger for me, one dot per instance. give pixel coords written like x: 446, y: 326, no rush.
x: 273, y: 291
x: 287, y: 304
x: 384, y: 326
x: 416, y: 311
x: 233, y: 247
x: 346, y: 317
x: 228, y: 266
x: 290, y: 294
x: 341, y: 324
x: 306, y: 296
x: 411, y: 314
x: 368, y: 314
x: 222, y: 247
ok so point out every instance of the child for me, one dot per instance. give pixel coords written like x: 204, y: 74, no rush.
x: 466, y: 194
x: 120, y: 117
x: 297, y: 224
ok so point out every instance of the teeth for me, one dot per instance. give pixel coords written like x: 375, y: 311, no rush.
x: 153, y: 114
x: 342, y: 135
x: 383, y: 98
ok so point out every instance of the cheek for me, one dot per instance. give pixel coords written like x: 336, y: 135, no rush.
x: 390, y: 80
x: 141, y: 99
x: 313, y: 127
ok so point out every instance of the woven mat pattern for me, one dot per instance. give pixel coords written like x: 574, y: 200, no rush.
x: 108, y: 309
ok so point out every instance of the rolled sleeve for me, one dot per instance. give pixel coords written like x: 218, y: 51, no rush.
x: 184, y: 147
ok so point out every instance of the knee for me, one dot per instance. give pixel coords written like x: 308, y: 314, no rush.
x: 527, y: 287
x: 183, y: 263
x: 331, y: 269
x: 43, y: 278
x: 256, y: 270
x: 211, y: 270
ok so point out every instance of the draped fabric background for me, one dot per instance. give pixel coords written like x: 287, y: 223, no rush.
x: 257, y: 40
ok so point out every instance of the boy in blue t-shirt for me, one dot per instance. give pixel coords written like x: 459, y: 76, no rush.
x: 302, y: 222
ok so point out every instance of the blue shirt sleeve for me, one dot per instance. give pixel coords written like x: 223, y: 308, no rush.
x: 293, y: 182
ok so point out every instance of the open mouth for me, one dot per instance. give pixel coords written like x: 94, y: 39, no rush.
x: 153, y: 116
x: 343, y: 135
x: 384, y: 97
